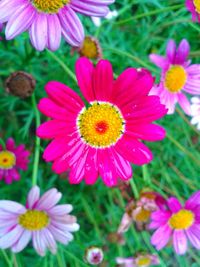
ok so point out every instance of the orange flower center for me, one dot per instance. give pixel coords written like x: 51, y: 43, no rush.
x: 7, y: 160
x: 101, y: 125
x: 50, y: 6
x: 175, y: 78
x: 34, y: 220
x: 197, y: 5
x: 90, y: 48
x: 183, y: 219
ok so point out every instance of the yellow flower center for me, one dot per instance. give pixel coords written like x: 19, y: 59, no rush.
x: 197, y: 5
x: 101, y: 125
x: 49, y: 6
x: 143, y: 261
x: 7, y: 160
x: 34, y: 220
x: 175, y: 78
x: 181, y: 220
x: 143, y: 215
x: 90, y: 48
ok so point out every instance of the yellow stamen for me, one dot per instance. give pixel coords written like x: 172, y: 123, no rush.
x: 7, y: 159
x: 175, y: 78
x: 34, y: 220
x: 143, y: 215
x: 143, y: 261
x: 183, y: 219
x: 50, y: 6
x: 101, y: 125
x: 90, y: 48
x: 197, y: 5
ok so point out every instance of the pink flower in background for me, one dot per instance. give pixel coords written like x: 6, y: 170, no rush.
x: 194, y: 7
x: 142, y: 260
x: 94, y: 255
x: 12, y: 159
x: 195, y: 107
x: 177, y: 77
x: 179, y: 223
x: 41, y: 221
x: 102, y: 138
x: 47, y: 21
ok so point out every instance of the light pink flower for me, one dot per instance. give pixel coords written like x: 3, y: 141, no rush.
x: 47, y: 21
x: 195, y: 107
x: 12, y: 159
x: 94, y: 255
x: 194, y: 7
x: 41, y: 221
x: 141, y: 260
x: 179, y: 223
x: 102, y: 138
x: 177, y: 77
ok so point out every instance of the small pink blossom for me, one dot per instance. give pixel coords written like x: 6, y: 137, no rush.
x: 12, y: 159
x: 178, y: 77
x: 141, y: 260
x: 179, y: 223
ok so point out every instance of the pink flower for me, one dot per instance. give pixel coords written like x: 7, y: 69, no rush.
x: 194, y: 7
x: 179, y: 222
x: 195, y: 107
x: 41, y: 220
x: 12, y: 159
x: 178, y: 76
x: 47, y: 21
x: 102, y: 138
x: 94, y: 255
x: 141, y: 260
x: 140, y: 211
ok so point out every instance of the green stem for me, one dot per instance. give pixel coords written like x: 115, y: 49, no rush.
x: 189, y: 154
x: 146, y: 175
x: 63, y: 65
x: 6, y: 258
x: 37, y: 143
x: 134, y: 58
x: 150, y: 13
x: 134, y: 188
x: 2, y: 143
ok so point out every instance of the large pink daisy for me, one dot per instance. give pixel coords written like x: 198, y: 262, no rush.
x: 102, y: 137
x: 41, y: 221
x: 47, y: 20
x: 194, y: 7
x: 12, y: 159
x: 177, y: 77
x: 179, y: 222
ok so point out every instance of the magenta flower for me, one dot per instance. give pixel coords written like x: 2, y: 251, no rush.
x: 178, y: 76
x: 48, y: 20
x: 195, y: 107
x: 12, y: 159
x: 41, y: 220
x: 194, y: 7
x: 142, y: 260
x: 102, y: 138
x: 179, y: 222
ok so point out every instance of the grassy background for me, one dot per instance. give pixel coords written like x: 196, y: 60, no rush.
x: 142, y: 27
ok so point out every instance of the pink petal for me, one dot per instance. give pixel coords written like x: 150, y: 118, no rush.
x: 22, y: 242
x: 161, y: 237
x: 9, y: 239
x: 193, y: 233
x: 179, y: 242
x: 159, y: 61
x: 184, y: 103
x: 174, y: 204
x: 49, y: 199
x: 33, y: 197
x: 182, y: 52
x: 54, y: 32
x: 91, y: 168
x: 171, y: 50
x: 84, y: 74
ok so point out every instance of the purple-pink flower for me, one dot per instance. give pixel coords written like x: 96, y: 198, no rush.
x: 48, y: 20
x: 179, y: 223
x: 41, y: 220
x: 141, y: 260
x: 194, y: 7
x: 12, y: 159
x: 177, y: 77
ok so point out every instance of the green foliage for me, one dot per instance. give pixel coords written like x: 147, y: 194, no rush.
x: 142, y: 26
